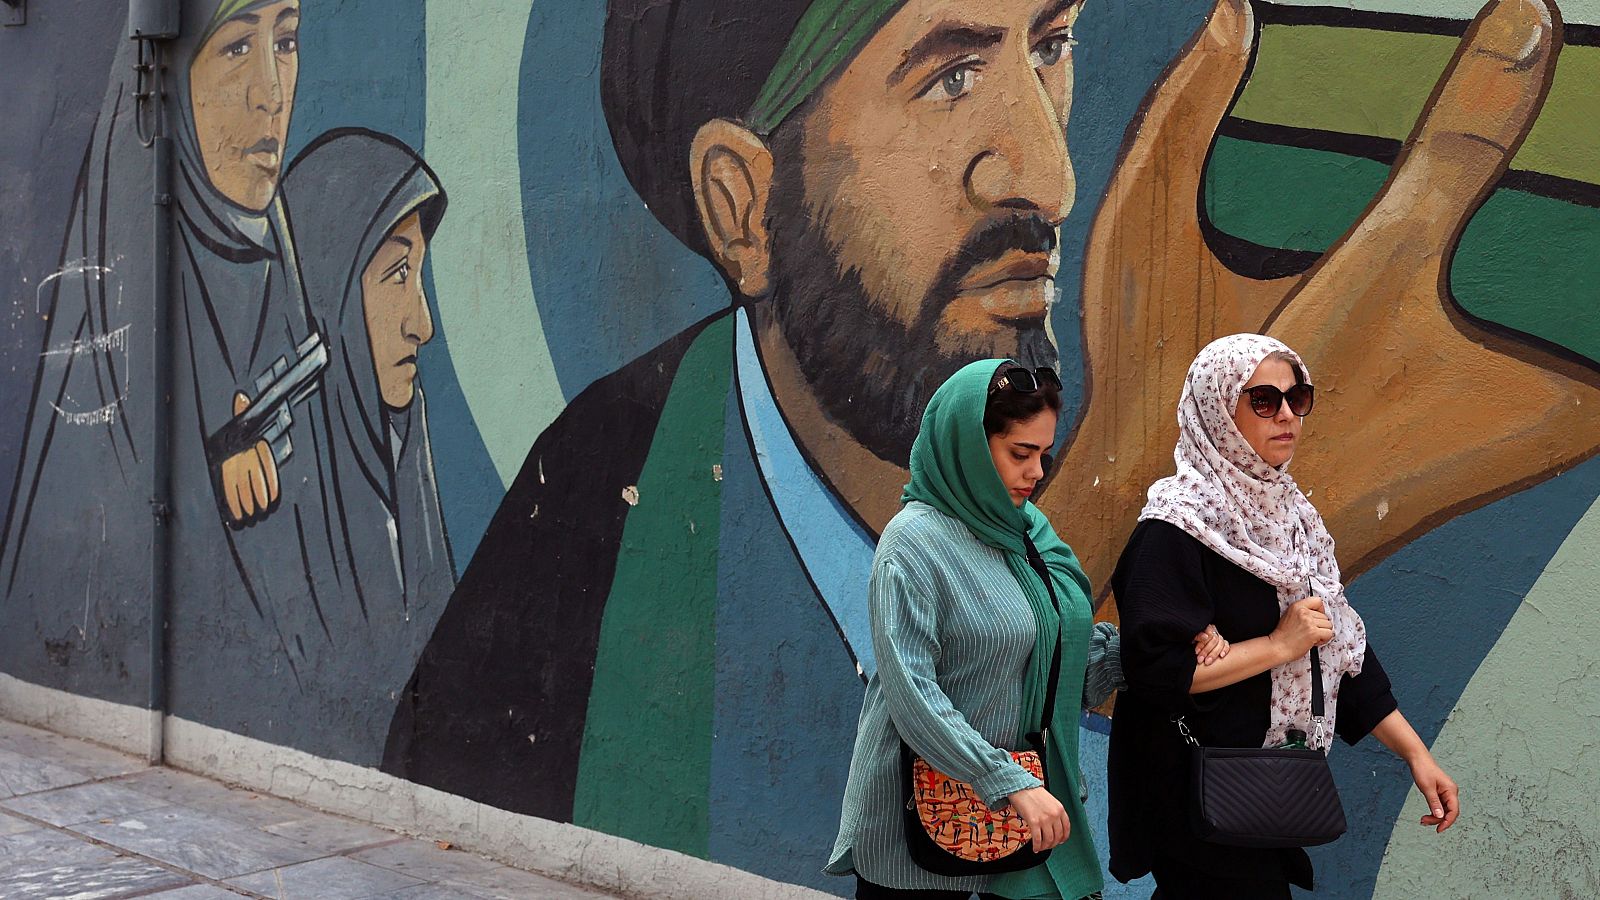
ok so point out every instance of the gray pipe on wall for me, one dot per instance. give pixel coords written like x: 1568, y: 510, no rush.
x: 161, y: 459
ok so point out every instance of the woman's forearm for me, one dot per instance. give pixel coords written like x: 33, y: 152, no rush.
x: 1244, y: 660
x: 1398, y: 735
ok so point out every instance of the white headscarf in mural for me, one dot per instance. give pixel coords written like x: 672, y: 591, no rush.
x: 1255, y: 516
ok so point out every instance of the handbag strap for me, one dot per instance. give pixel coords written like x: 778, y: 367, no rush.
x: 1038, y: 564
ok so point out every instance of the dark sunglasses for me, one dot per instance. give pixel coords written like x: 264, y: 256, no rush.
x: 1266, y: 399
x: 1025, y: 381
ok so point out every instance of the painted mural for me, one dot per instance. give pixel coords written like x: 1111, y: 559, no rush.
x: 565, y: 501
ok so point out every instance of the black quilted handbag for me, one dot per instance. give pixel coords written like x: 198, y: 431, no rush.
x: 1264, y: 797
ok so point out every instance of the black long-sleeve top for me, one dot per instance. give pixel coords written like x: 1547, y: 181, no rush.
x: 1169, y: 587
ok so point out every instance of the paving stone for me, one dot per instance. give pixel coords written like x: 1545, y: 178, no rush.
x: 91, y: 759
x: 334, y: 878
x: 179, y: 788
x: 433, y: 892
x: 93, y: 879
x: 424, y: 860
x: 506, y: 883
x: 331, y: 834
x: 21, y: 775
x: 200, y: 842
x: 10, y: 824
x: 83, y: 803
x: 198, y: 892
x: 47, y: 846
x: 470, y: 873
x: 251, y: 808
x: 266, y: 845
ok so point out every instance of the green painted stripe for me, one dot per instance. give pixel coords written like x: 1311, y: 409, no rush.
x: 645, y: 772
x: 1526, y: 262
x: 1574, y: 11
x: 1360, y: 81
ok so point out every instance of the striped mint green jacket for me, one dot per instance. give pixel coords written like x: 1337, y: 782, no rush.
x: 952, y: 632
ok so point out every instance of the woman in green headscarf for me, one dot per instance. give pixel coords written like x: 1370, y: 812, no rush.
x: 963, y: 628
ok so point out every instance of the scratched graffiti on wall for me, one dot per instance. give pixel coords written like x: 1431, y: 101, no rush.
x: 679, y: 325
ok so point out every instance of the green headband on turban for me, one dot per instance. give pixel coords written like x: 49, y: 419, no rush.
x: 829, y: 33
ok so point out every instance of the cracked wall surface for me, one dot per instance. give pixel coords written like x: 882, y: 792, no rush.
x: 528, y: 463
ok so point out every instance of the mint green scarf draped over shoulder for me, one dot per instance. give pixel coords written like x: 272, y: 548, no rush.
x: 952, y: 471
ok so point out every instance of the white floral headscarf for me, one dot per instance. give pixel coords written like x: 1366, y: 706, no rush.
x: 1254, y: 516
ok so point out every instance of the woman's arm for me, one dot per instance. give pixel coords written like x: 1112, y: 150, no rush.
x: 905, y: 639
x: 1302, y: 626
x: 1437, y: 788
x: 1245, y: 659
x: 1104, y: 677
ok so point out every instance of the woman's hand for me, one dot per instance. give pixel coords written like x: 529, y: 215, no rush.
x: 1444, y: 801
x: 249, y: 479
x: 1046, y: 817
x: 1438, y: 789
x: 1209, y: 646
x: 1303, y: 625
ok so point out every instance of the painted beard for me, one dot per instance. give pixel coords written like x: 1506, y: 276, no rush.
x: 871, y: 374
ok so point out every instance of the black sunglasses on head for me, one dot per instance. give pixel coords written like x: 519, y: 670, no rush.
x: 1023, y: 380
x: 1266, y: 399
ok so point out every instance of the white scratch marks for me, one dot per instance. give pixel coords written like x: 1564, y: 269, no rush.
x: 104, y: 415
x: 111, y: 340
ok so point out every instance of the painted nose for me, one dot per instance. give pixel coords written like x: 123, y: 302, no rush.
x: 418, y: 325
x: 1025, y: 165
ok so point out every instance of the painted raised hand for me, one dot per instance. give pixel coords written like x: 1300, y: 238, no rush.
x: 1421, y: 412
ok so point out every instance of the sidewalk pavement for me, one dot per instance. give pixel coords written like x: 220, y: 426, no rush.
x: 80, y: 821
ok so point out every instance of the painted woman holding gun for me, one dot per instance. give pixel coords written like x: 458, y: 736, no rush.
x: 259, y: 556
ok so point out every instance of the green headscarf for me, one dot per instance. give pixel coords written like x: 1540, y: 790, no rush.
x: 952, y: 471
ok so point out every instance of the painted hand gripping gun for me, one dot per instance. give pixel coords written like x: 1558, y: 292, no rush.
x: 269, y: 416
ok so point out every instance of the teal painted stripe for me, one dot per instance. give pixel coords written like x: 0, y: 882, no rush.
x: 1525, y: 262
x: 479, y: 257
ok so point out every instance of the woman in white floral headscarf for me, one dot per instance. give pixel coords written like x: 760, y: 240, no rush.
x: 1231, y: 540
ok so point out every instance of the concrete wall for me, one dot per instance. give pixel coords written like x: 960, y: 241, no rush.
x: 622, y: 359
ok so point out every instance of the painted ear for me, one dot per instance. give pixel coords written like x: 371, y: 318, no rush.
x: 732, y: 170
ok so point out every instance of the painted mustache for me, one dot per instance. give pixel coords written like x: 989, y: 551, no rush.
x: 1030, y: 234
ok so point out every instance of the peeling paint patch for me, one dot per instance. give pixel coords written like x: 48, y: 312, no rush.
x: 716, y: 471
x: 630, y: 495
x: 1383, y: 509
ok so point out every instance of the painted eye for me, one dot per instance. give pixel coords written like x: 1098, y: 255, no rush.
x: 402, y: 274
x: 236, y: 49
x: 1049, y: 51
x: 289, y: 44
x: 956, y: 82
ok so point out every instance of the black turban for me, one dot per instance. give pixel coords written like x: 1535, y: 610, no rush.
x: 670, y: 66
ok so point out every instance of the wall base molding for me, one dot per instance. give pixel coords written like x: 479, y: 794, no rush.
x: 558, y: 850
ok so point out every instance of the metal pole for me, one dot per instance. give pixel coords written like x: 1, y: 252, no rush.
x: 161, y: 459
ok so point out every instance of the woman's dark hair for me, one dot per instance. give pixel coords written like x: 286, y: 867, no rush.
x: 1007, y: 406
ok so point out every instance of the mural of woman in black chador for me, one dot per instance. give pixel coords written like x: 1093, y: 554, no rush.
x: 369, y: 205
x: 265, y: 579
